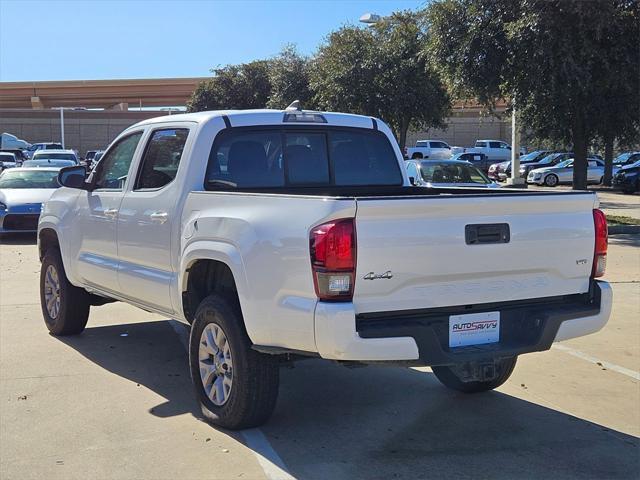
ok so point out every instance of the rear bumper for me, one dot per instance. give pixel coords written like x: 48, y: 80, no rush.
x: 423, y: 335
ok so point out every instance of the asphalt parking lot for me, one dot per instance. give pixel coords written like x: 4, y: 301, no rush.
x: 116, y: 402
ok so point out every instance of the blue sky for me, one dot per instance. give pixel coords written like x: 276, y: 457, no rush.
x: 96, y: 39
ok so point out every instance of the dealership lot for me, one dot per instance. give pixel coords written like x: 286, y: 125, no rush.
x: 117, y: 402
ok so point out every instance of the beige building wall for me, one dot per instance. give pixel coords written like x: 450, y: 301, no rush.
x: 463, y: 131
x: 90, y: 130
x: 83, y: 130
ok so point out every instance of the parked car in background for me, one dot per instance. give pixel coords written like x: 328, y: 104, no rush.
x: 43, y: 146
x: 502, y: 170
x: 48, y: 162
x: 19, y: 154
x: 22, y: 193
x: 90, y: 162
x: 563, y: 173
x: 431, y: 149
x: 495, y: 150
x: 626, y: 158
x: 89, y: 155
x: 56, y: 155
x: 478, y: 160
x: 627, y: 178
x: 551, y: 160
x: 7, y: 160
x: 547, y: 161
x: 446, y: 173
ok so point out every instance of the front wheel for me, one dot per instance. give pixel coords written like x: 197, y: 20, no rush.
x: 65, y: 307
x: 551, y: 180
x: 237, y: 387
x: 450, y: 377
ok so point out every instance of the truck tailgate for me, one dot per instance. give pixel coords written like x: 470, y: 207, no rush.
x: 413, y: 252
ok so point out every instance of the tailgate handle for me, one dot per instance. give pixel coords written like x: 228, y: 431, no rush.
x: 487, y: 233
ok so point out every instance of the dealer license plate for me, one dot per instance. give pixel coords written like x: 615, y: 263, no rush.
x: 474, y: 329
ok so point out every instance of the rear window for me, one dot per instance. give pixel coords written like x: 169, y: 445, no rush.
x: 480, y: 144
x: 439, y: 145
x: 56, y: 156
x: 278, y: 157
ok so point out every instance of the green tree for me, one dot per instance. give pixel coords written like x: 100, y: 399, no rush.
x: 243, y: 86
x: 289, y: 78
x: 551, y: 56
x: 381, y: 71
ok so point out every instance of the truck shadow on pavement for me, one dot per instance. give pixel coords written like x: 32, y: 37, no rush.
x: 149, y: 354
x: 380, y: 422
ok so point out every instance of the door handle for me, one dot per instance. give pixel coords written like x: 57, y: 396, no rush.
x: 111, y: 212
x: 160, y: 217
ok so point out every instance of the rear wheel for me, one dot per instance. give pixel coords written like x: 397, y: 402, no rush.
x: 237, y: 387
x: 65, y: 307
x: 551, y: 180
x: 451, y: 377
x: 416, y: 155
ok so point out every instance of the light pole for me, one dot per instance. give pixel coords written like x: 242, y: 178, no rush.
x: 370, y: 18
x: 62, y: 109
x: 515, y: 180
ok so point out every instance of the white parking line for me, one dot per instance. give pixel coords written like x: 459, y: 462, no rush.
x: 271, y: 463
x: 609, y: 366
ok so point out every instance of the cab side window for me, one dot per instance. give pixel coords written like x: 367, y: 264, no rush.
x: 114, y: 166
x: 161, y: 158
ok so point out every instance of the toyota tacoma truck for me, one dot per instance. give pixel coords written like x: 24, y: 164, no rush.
x: 279, y: 235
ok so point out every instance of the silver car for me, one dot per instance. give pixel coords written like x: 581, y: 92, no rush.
x: 563, y: 173
x: 22, y: 193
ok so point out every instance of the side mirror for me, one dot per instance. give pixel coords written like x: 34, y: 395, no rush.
x: 73, y: 177
x: 412, y: 181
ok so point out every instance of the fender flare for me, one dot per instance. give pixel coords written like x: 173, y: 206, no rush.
x: 223, y: 252
x: 51, y: 222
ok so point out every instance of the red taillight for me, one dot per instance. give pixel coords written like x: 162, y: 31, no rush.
x: 333, y: 259
x: 600, y: 250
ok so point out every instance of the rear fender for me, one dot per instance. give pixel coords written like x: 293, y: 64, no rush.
x: 229, y: 255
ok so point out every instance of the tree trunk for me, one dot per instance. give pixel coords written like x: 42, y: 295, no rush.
x: 403, y: 129
x: 608, y: 159
x: 580, y: 146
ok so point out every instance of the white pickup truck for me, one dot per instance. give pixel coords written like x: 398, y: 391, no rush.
x: 284, y: 234
x: 494, y: 149
x: 429, y: 149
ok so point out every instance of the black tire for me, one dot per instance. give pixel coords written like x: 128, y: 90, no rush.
x: 551, y: 180
x: 416, y: 155
x: 449, y: 379
x: 255, y: 376
x: 73, y: 312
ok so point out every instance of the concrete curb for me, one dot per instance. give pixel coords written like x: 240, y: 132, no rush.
x: 623, y: 229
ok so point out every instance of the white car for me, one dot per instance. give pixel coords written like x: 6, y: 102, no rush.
x: 429, y: 149
x: 22, y: 193
x: 7, y: 160
x: 563, y: 173
x: 286, y: 234
x: 55, y: 154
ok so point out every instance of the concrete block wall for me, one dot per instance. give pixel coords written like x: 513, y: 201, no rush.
x: 83, y: 130
x: 464, y: 131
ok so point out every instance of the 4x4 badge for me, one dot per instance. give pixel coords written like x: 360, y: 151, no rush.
x: 376, y: 276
